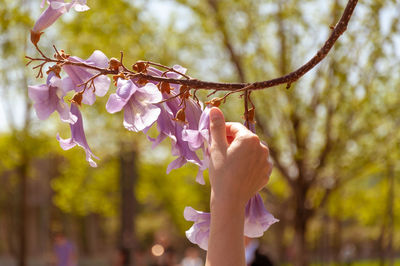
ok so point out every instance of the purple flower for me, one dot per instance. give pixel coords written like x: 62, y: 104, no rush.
x: 140, y: 111
x: 181, y: 147
x: 173, y: 129
x: 200, y: 230
x: 55, y: 9
x: 197, y: 137
x: 200, y: 138
x: 49, y: 98
x: 257, y: 221
x: 78, y: 5
x: 78, y: 75
x: 257, y: 218
x: 77, y: 137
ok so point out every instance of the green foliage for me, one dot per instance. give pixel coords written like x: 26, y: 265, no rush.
x: 160, y: 193
x: 81, y: 190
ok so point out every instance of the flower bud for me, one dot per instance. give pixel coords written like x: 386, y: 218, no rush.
x: 165, y: 87
x: 35, y: 37
x: 142, y: 81
x: 251, y: 114
x: 61, y: 55
x: 114, y: 63
x: 116, y: 77
x: 184, y: 92
x: 215, y: 101
x: 56, y: 69
x: 140, y: 67
x: 77, y: 98
x: 180, y: 116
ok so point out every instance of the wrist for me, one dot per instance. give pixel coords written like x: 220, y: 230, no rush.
x: 226, y: 203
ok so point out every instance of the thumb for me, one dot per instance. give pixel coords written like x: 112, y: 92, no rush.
x: 217, y: 128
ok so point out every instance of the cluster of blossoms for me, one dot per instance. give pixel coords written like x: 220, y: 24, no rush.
x: 181, y: 118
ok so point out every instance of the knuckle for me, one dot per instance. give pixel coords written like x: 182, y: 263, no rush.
x: 266, y: 152
x: 252, y: 139
x: 266, y: 179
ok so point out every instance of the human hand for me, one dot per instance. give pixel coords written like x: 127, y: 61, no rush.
x: 239, y: 162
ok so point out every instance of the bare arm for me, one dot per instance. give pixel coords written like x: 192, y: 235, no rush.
x: 239, y: 168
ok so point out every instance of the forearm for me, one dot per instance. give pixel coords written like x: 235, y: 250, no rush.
x: 226, y: 242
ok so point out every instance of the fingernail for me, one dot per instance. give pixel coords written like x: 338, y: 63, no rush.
x: 215, y: 114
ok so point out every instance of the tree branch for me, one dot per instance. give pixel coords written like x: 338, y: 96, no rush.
x: 196, y: 84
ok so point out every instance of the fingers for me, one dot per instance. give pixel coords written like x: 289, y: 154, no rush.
x: 217, y: 129
x: 234, y: 129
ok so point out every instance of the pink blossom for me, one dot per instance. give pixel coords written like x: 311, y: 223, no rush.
x: 77, y: 137
x: 49, y: 98
x: 55, y: 9
x: 140, y: 111
x: 79, y: 75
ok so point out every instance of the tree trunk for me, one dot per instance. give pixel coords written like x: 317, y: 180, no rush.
x: 301, y: 258
x: 300, y: 226
x: 390, y: 214
x: 128, y: 177
x: 337, y: 240
x: 22, y: 172
x: 280, y: 241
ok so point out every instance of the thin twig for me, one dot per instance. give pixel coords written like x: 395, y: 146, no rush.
x: 170, y: 98
x: 170, y: 69
x: 212, y: 93
x: 246, y: 108
x: 196, y: 84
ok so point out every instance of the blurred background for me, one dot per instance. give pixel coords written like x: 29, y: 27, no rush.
x: 334, y: 135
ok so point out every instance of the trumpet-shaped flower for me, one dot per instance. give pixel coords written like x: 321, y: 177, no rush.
x: 174, y: 129
x: 49, y: 98
x: 180, y: 147
x: 77, y: 76
x: 77, y: 137
x: 55, y: 9
x: 140, y: 111
x: 199, y: 139
x: 257, y: 218
x: 200, y: 231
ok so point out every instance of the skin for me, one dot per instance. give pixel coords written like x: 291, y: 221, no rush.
x: 239, y: 168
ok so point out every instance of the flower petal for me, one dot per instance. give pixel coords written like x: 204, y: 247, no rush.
x: 125, y: 89
x: 45, y: 99
x: 200, y: 230
x: 77, y: 137
x: 115, y: 103
x: 153, y: 95
x: 48, y: 17
x: 79, y: 75
x: 258, y: 219
x: 177, y: 163
x: 102, y: 84
x: 138, y: 116
x: 98, y: 58
x: 193, y: 137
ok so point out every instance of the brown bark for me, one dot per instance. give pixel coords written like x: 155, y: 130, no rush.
x: 337, y: 240
x: 390, y: 215
x: 301, y: 218
x: 22, y: 215
x: 128, y: 178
